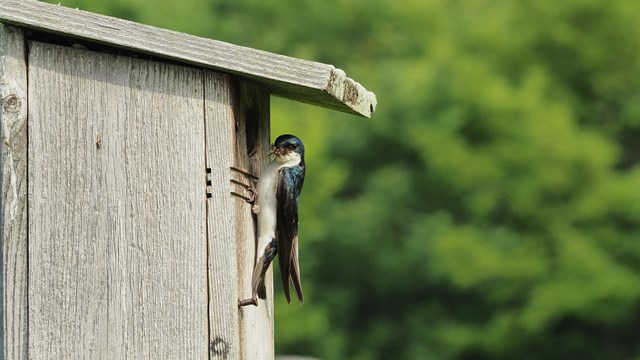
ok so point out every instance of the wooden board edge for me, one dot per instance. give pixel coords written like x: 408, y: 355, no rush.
x: 303, y: 80
x: 224, y: 332
x: 351, y: 93
x: 252, y: 149
x: 13, y: 159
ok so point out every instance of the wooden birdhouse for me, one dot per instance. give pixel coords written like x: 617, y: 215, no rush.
x: 120, y: 238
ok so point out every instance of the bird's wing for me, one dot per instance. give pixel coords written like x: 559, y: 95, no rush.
x: 257, y: 279
x: 288, y: 192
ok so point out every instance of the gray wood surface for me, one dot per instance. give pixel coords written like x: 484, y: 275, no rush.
x: 251, y: 154
x: 221, y: 222
x: 237, y: 123
x: 13, y: 160
x: 307, y: 81
x: 117, y: 223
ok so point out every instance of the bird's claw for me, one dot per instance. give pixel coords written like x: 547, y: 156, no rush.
x: 252, y: 192
x: 245, y: 173
x: 252, y: 197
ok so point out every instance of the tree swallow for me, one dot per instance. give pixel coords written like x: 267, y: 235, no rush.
x: 278, y: 192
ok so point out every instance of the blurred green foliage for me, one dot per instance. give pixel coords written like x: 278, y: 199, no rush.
x: 491, y: 207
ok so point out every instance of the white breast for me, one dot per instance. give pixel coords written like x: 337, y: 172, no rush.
x: 267, y: 185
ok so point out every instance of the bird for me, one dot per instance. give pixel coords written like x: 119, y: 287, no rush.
x: 277, y: 195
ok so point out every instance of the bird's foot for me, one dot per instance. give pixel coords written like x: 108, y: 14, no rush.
x: 250, y: 189
x: 252, y: 192
x: 248, y: 175
x: 251, y: 301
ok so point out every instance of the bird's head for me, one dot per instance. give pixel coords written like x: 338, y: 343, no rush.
x: 288, y: 148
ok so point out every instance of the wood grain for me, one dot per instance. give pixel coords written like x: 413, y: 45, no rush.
x: 237, y: 122
x: 13, y: 160
x: 251, y: 153
x: 221, y: 221
x: 302, y: 80
x: 117, y: 235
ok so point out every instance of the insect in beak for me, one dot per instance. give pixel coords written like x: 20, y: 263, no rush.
x: 277, y: 151
x: 274, y: 151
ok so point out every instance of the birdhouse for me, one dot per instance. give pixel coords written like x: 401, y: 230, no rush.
x: 120, y: 236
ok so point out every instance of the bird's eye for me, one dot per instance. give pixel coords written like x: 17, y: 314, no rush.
x: 292, y: 146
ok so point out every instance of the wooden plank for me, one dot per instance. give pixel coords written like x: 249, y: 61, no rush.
x: 221, y: 218
x: 251, y: 153
x: 307, y: 81
x: 13, y: 160
x: 117, y: 234
x: 237, y: 122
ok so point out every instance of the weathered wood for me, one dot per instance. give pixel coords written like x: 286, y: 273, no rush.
x: 237, y: 123
x: 307, y: 81
x: 252, y: 149
x: 13, y: 160
x: 221, y: 218
x: 117, y: 234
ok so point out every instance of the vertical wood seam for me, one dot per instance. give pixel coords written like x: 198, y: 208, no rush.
x: 206, y: 189
x: 13, y: 160
x: 223, y: 274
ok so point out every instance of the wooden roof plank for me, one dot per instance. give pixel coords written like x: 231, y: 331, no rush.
x: 303, y: 80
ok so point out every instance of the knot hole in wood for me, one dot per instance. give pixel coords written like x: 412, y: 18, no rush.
x: 11, y: 103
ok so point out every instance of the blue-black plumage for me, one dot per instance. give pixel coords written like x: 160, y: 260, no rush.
x: 278, y: 193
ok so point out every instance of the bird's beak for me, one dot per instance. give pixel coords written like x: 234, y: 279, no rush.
x: 276, y: 151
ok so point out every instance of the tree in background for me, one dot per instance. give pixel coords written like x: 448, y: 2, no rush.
x: 491, y: 208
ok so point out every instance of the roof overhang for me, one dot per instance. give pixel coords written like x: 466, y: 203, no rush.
x: 302, y: 80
